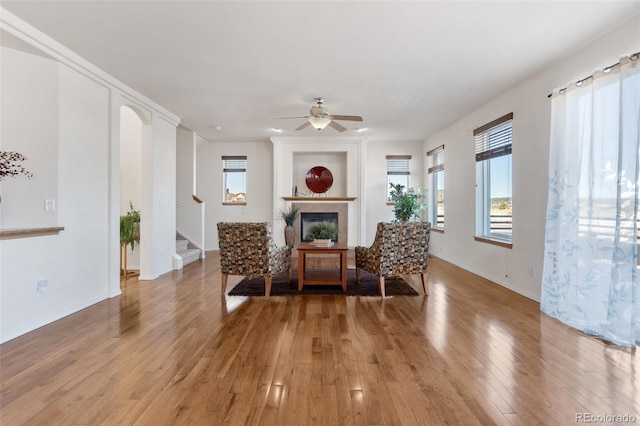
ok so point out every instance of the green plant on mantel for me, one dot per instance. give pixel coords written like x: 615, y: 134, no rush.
x: 323, y: 230
x: 289, y: 215
x: 408, y: 204
x: 130, y: 227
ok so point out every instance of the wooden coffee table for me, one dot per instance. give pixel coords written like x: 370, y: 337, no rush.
x: 324, y: 277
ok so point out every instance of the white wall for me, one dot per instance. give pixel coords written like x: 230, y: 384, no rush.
x: 531, y: 126
x: 73, y: 169
x: 163, y: 164
x: 189, y: 220
x: 83, y: 187
x: 260, y: 171
x: 376, y: 209
x: 29, y: 114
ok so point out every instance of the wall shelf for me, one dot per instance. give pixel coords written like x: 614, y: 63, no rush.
x: 7, y: 234
x: 319, y: 199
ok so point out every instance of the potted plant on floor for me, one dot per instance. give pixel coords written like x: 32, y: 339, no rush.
x: 289, y: 216
x: 129, y: 236
x: 407, y: 205
x: 323, y: 233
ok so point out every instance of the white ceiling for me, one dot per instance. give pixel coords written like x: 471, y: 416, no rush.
x: 409, y: 68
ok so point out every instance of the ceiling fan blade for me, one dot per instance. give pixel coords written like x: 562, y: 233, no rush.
x: 346, y: 117
x: 337, y: 126
x: 306, y: 123
x: 286, y: 118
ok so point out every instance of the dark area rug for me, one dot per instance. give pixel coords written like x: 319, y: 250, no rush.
x: 368, y: 286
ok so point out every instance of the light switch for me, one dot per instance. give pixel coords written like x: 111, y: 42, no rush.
x: 49, y: 205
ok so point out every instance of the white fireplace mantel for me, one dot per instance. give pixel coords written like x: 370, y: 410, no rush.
x: 346, y: 156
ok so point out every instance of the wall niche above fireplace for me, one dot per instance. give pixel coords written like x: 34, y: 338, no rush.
x: 335, y: 162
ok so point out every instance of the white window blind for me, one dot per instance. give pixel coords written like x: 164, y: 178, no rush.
x: 237, y: 163
x: 436, y: 157
x: 398, y: 164
x: 435, y: 196
x: 494, y: 139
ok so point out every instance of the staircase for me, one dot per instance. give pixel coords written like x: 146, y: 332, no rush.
x: 187, y: 254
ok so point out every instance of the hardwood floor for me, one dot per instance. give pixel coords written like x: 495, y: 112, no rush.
x: 172, y: 351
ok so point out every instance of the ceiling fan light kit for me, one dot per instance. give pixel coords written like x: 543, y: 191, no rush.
x: 319, y: 123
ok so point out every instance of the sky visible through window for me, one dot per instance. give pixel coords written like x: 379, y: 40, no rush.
x: 501, y: 177
x: 397, y: 179
x: 236, y: 182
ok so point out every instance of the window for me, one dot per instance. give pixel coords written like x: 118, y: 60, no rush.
x: 397, y: 171
x: 435, y: 200
x: 493, y: 179
x: 234, y: 179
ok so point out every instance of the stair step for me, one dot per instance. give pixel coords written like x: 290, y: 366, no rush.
x: 181, y: 245
x: 189, y: 256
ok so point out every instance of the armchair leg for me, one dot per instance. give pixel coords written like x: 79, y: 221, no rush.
x: 288, y: 275
x: 357, y: 275
x: 424, y: 287
x: 223, y: 287
x: 267, y: 287
x: 381, y: 286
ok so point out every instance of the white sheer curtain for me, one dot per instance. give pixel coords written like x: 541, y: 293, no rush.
x: 590, y: 277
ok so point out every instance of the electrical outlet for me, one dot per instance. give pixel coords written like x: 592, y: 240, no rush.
x: 49, y: 205
x: 42, y: 286
x: 532, y: 271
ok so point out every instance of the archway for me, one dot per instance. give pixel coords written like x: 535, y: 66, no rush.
x: 131, y: 134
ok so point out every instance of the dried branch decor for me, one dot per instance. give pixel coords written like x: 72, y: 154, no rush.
x: 9, y: 166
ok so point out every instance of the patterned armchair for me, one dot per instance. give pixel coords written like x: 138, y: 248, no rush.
x: 398, y: 248
x: 248, y: 249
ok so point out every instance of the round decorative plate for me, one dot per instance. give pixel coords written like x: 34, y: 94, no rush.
x: 319, y: 179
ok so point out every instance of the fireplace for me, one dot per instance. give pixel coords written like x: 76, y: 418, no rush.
x: 334, y: 208
x: 308, y: 219
x: 344, y: 155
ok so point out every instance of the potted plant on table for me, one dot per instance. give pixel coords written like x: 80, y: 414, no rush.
x: 407, y: 205
x: 323, y: 233
x: 289, y: 216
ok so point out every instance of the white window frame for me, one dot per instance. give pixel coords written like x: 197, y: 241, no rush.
x: 233, y: 164
x: 398, y: 165
x: 493, y: 140
x: 435, y: 173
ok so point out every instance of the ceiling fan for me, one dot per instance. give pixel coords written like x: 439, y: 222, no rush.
x: 320, y: 118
